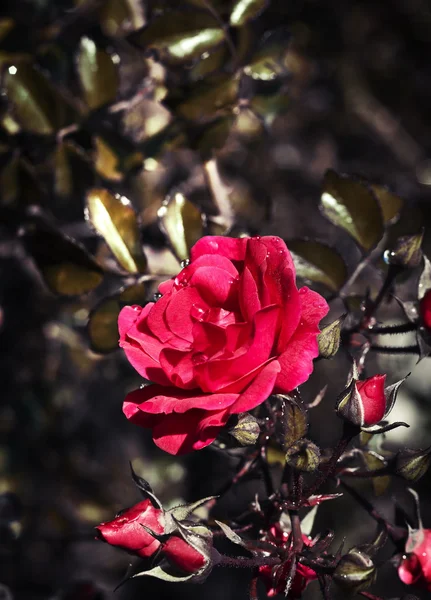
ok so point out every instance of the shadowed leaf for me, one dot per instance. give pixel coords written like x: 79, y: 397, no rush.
x: 115, y: 220
x: 118, y: 18
x: 352, y: 205
x: 269, y: 62
x: 211, y: 99
x: 390, y: 204
x: 374, y: 462
x: 65, y: 265
x: 182, y: 35
x: 318, y: 263
x: 97, y: 74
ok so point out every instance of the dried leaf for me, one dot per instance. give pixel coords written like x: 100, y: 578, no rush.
x: 352, y: 205
x: 318, y: 263
x: 114, y: 218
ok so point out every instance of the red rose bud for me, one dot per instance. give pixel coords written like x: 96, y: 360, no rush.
x: 425, y: 310
x: 126, y: 531
x: 182, y: 555
x: 363, y: 403
x: 228, y: 331
x: 415, y: 566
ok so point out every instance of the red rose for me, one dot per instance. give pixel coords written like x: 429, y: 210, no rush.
x: 275, y: 577
x: 182, y: 555
x: 415, y: 567
x: 365, y: 403
x: 372, y: 393
x: 126, y: 531
x: 425, y: 310
x: 228, y: 331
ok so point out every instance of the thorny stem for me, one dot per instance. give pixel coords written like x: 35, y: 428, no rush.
x: 269, y: 486
x: 395, y: 533
x: 245, y: 468
x: 328, y: 468
x: 325, y: 583
x: 374, y: 304
x: 296, y: 531
x: 253, y: 588
x: 248, y: 563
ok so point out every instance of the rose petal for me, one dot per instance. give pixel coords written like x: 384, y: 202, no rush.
x: 259, y: 389
x: 179, y: 367
x: 297, y: 360
x: 182, y: 555
x: 178, y: 312
x: 216, y: 286
x: 232, y: 248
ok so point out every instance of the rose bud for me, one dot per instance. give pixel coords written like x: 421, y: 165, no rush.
x: 363, y: 403
x: 415, y: 566
x: 228, y: 331
x: 425, y: 310
x: 127, y: 532
x: 182, y: 555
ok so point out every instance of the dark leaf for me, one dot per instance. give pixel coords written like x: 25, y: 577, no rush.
x: 412, y: 464
x: 373, y: 462
x: 303, y: 455
x: 145, y: 488
x: 245, y: 10
x: 97, y: 74
x: 269, y: 62
x: 294, y: 421
x: 318, y: 263
x: 352, y: 205
x: 114, y: 218
x: 182, y: 35
x: 210, y: 99
x: 118, y: 18
x: 145, y: 118
x: 406, y: 252
x: 390, y: 204
x: 36, y: 106
x: 182, y: 223
x: 103, y: 320
x: 65, y: 265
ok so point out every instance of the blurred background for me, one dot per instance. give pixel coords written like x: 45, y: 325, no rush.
x: 234, y: 134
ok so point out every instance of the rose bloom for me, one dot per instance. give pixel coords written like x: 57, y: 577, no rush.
x: 415, y: 568
x: 373, y: 399
x: 126, y: 531
x: 228, y: 331
x: 272, y: 577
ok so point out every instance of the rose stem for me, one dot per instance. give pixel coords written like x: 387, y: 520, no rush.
x: 349, y: 432
x: 242, y: 561
x: 325, y: 583
x: 296, y: 531
x: 395, y: 533
x: 253, y: 588
x: 266, y: 472
x: 246, y: 465
x: 393, y: 271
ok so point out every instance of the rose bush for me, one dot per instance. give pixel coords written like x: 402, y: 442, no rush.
x: 228, y: 331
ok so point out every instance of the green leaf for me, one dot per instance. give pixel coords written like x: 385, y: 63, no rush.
x: 118, y: 18
x: 294, y: 420
x: 374, y: 461
x: 182, y: 223
x: 144, y: 119
x: 102, y: 324
x: 114, y: 218
x: 211, y: 99
x: 245, y: 10
x: 97, y: 74
x: 390, y: 204
x: 35, y: 105
x: 318, y: 263
x: 269, y: 62
x: 353, y: 206
x: 65, y: 265
x: 303, y: 455
x: 182, y: 35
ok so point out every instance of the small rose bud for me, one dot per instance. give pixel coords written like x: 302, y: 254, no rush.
x: 425, y: 310
x: 407, y: 251
x: 355, y: 571
x: 329, y: 338
x: 303, y: 455
x: 412, y: 464
x: 127, y: 531
x: 363, y: 403
x: 246, y: 431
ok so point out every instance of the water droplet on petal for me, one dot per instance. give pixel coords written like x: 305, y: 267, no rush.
x: 157, y: 296
x: 185, y: 263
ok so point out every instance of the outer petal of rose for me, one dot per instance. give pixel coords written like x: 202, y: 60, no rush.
x: 297, y: 360
x: 259, y: 389
x: 181, y: 433
x: 160, y: 399
x: 182, y: 555
x: 219, y: 373
x: 232, y: 248
x: 138, y: 358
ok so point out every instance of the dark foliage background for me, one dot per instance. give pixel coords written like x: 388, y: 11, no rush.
x: 352, y: 93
